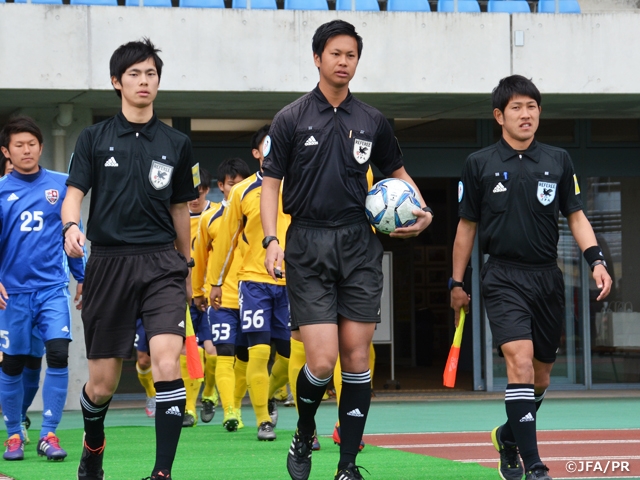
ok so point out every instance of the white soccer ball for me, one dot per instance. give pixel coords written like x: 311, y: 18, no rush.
x: 390, y: 205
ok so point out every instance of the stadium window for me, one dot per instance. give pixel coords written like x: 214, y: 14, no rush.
x: 436, y: 131
x: 615, y: 130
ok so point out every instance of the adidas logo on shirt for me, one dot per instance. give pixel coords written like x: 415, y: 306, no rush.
x: 499, y: 188
x: 111, y: 163
x: 527, y: 418
x: 174, y: 411
x: 12, y: 197
x: 355, y: 413
x: 310, y: 142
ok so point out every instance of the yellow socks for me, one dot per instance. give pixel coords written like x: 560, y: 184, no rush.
x: 210, y: 370
x: 258, y: 381
x: 226, y: 380
x: 279, y: 375
x: 296, y: 362
x: 240, y: 371
x: 192, y: 387
x: 146, y: 380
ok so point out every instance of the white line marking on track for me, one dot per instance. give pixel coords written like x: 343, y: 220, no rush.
x: 484, y: 444
x: 554, y: 459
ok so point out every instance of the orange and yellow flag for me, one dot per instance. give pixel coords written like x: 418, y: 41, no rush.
x: 194, y: 363
x: 451, y: 367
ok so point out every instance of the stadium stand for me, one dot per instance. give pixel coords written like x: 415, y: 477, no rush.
x: 306, y: 5
x: 148, y: 3
x: 255, y: 4
x: 361, y: 5
x: 50, y: 2
x: 202, y: 3
x: 564, y: 6
x: 463, y: 6
x: 107, y: 3
x: 508, y: 6
x: 408, y: 6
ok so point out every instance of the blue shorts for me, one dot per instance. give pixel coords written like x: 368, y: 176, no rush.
x: 264, y: 308
x: 224, y: 325
x: 140, y: 342
x: 200, y: 325
x: 45, y: 313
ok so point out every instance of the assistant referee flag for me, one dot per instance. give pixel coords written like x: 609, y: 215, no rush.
x: 451, y: 368
x: 194, y: 363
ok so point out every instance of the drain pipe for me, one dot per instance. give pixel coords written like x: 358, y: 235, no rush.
x: 61, y: 121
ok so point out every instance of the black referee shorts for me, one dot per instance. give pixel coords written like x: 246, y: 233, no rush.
x: 525, y: 302
x: 333, y: 271
x: 125, y: 283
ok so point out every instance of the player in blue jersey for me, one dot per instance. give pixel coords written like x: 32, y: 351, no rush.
x: 33, y: 290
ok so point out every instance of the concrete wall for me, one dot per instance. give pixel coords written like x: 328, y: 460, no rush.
x: 69, y: 47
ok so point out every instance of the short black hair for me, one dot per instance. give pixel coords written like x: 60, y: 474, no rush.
x: 130, y: 54
x: 332, y: 29
x: 232, y: 167
x: 509, y: 87
x: 259, y: 136
x: 205, y: 179
x: 20, y: 124
x: 3, y: 164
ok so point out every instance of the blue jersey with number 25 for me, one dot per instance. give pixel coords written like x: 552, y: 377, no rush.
x: 31, y: 250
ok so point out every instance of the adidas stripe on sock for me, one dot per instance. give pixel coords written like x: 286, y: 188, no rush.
x: 352, y: 412
x: 93, y: 420
x: 171, y: 398
x: 520, y: 405
x: 309, y: 392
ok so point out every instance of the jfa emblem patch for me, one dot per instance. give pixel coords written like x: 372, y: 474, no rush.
x: 361, y: 150
x: 546, y: 192
x: 160, y: 175
x: 52, y: 196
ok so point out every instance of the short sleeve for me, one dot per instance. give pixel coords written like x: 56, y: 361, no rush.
x: 187, y: 176
x: 569, y: 190
x: 469, y: 192
x: 386, y: 153
x: 277, y: 146
x: 80, y: 164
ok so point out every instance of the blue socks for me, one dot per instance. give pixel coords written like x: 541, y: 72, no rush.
x: 54, y: 396
x: 11, y: 394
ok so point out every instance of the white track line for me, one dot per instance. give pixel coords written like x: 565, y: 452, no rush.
x: 555, y: 459
x: 485, y: 444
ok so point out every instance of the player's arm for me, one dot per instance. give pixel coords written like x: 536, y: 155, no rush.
x: 200, y: 256
x: 586, y: 239
x: 424, y: 218
x: 182, y: 225
x: 229, y: 230
x: 462, y: 248
x: 3, y: 297
x: 269, y: 198
x: 74, y: 239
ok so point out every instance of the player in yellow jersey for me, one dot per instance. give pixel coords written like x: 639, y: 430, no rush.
x: 224, y: 322
x: 200, y: 325
x: 264, y: 304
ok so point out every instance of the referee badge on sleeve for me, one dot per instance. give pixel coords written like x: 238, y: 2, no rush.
x: 361, y: 150
x: 546, y: 192
x: 160, y: 175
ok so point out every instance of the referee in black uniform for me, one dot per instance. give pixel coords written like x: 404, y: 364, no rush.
x: 511, y: 193
x: 141, y: 174
x: 322, y: 144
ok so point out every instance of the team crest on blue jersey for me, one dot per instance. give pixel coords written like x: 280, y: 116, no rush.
x: 361, y: 150
x: 52, y: 196
x: 546, y: 192
x: 160, y: 175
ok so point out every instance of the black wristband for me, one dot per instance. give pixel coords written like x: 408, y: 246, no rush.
x: 592, y: 254
x: 66, y: 227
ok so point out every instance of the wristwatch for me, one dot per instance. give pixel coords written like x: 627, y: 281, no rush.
x: 428, y: 210
x: 191, y: 263
x: 66, y: 227
x: 453, y: 284
x: 598, y: 262
x: 267, y: 240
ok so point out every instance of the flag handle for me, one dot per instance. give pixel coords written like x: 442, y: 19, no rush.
x: 451, y: 368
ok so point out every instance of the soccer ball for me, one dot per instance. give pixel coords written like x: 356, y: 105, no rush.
x: 390, y: 204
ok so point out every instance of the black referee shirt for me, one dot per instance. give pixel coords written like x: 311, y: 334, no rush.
x: 324, y: 153
x: 134, y: 178
x: 516, y: 196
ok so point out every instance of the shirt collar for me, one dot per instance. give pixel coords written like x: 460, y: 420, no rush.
x: 123, y: 126
x: 507, y: 152
x: 323, y: 104
x: 29, y: 178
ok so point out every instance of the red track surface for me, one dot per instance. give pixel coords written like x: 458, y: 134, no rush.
x: 561, y: 450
